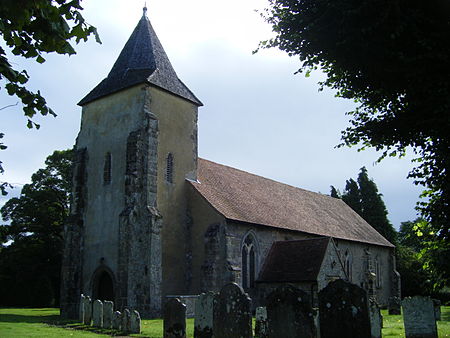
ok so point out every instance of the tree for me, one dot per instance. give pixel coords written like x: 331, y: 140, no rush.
x: 334, y: 192
x: 373, y: 208
x: 30, y: 29
x: 408, y: 237
x: 363, y: 197
x: 393, y: 59
x: 32, y: 243
x: 422, y: 259
x: 352, y: 196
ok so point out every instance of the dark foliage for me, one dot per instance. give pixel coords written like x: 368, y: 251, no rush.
x: 392, y: 57
x: 29, y: 30
x: 32, y: 243
x: 364, y: 198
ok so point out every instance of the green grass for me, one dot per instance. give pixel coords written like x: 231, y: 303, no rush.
x: 393, y: 325
x: 16, y: 322
x: 19, y: 322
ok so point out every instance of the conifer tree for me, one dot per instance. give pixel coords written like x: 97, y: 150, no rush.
x: 373, y: 208
x: 352, y: 196
x: 364, y: 198
x: 334, y: 192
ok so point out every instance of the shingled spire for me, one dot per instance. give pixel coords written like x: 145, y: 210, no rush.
x: 142, y: 60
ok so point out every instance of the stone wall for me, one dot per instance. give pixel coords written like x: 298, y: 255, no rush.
x: 105, y: 127
x: 139, y: 272
x: 72, y: 262
x: 207, y: 243
x: 177, y: 125
x: 234, y: 233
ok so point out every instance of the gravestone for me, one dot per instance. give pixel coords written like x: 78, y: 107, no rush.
x: 261, y: 329
x: 289, y: 313
x: 203, y: 322
x: 394, y: 306
x: 232, y: 315
x: 108, y: 307
x: 97, y: 313
x: 81, y: 313
x: 117, y: 321
x: 174, y: 319
x: 343, y: 311
x: 125, y: 325
x: 419, y: 318
x: 376, y: 320
x: 87, y: 310
x: 135, y: 322
x: 437, y: 309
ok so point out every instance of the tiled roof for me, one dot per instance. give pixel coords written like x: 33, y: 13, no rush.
x: 244, y: 197
x: 294, y: 261
x: 142, y: 60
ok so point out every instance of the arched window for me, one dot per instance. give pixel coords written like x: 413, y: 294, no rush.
x: 348, y: 265
x: 249, y: 256
x: 107, y: 169
x: 169, y: 168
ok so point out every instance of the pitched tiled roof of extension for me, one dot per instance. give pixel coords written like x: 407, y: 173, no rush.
x: 294, y: 261
x: 142, y: 60
x: 244, y: 197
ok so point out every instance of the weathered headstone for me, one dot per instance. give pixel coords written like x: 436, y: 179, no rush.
x: 289, y: 313
x: 135, y: 322
x: 108, y: 309
x: 97, y: 313
x: 87, y: 310
x: 81, y: 313
x: 376, y: 320
x: 203, y: 323
x: 232, y: 315
x: 343, y: 311
x: 261, y: 329
x: 437, y: 309
x: 125, y: 325
x: 174, y: 319
x: 117, y: 321
x: 394, y: 306
x: 419, y: 318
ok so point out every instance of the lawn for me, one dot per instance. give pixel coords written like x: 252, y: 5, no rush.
x: 16, y: 322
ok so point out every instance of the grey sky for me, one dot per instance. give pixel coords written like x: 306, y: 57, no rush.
x: 258, y: 116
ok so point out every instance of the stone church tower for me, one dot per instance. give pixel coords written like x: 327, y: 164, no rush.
x: 124, y: 240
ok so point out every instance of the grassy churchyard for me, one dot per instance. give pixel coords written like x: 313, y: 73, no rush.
x: 15, y: 322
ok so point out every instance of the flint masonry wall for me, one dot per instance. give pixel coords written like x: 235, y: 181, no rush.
x: 361, y: 253
x: 234, y: 233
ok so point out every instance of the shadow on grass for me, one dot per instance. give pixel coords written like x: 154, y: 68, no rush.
x: 15, y: 318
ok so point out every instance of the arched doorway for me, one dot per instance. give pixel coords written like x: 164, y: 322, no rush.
x: 103, y: 288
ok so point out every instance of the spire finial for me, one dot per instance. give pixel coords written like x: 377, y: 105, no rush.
x: 145, y: 9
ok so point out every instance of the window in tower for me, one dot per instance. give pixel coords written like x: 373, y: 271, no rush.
x: 107, y: 169
x: 169, y: 168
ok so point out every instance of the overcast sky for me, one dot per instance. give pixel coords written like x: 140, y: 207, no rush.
x: 257, y: 116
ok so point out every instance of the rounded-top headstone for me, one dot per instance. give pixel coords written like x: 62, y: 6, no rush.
x: 174, y: 319
x: 289, y: 313
x: 343, y: 311
x: 232, y: 314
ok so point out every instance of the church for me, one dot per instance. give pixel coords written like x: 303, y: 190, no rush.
x: 150, y: 219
